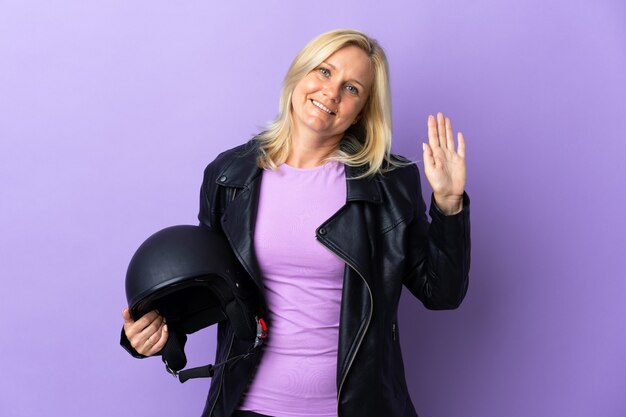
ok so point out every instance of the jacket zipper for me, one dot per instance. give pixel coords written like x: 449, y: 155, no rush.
x: 219, y: 390
x: 369, y: 317
x: 367, y: 325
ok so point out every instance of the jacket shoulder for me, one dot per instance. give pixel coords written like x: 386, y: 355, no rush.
x: 218, y: 173
x: 227, y: 157
x: 401, y: 189
x: 402, y: 174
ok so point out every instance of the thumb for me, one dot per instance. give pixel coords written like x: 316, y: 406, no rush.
x: 428, y: 155
x: 126, y: 316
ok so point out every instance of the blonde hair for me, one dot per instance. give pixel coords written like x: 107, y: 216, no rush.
x: 368, y: 142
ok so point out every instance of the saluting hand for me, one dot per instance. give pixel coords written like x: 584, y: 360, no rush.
x: 443, y: 165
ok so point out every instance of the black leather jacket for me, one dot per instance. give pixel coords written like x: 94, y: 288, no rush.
x: 383, y: 235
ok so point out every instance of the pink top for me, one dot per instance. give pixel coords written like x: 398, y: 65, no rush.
x: 303, y: 281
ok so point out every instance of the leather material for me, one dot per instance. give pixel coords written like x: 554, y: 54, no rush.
x: 383, y: 235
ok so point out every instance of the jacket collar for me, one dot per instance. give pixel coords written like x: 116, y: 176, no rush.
x: 243, y: 170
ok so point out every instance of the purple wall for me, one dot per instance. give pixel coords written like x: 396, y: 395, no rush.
x: 109, y: 112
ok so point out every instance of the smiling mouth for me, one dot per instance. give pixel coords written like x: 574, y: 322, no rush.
x: 322, y: 107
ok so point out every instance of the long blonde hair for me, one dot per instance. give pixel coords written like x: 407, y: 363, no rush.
x: 368, y: 142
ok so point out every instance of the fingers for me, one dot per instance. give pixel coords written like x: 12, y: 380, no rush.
x: 156, y: 342
x: 428, y: 157
x: 151, y: 315
x: 433, y: 137
x: 440, y: 133
x: 160, y: 342
x: 126, y: 316
x: 461, y: 140
x: 443, y: 165
x: 144, y: 334
x: 437, y: 131
x: 150, y: 329
x: 144, y: 341
x: 449, y: 135
x: 144, y: 321
x: 441, y: 130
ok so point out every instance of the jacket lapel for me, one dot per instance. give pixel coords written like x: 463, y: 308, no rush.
x: 239, y: 217
x: 347, y: 232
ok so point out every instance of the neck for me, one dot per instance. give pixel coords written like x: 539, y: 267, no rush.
x: 310, y: 150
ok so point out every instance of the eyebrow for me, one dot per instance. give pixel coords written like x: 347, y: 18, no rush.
x: 334, y: 67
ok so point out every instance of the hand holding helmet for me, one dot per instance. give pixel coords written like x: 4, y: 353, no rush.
x: 148, y: 334
x: 189, y: 276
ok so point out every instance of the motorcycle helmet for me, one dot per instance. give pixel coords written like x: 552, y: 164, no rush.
x: 190, y: 275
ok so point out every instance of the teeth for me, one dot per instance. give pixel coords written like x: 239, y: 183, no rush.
x: 321, y: 106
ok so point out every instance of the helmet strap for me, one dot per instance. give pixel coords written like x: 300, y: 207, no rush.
x: 208, y: 371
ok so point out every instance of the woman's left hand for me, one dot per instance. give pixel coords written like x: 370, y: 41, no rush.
x: 443, y: 165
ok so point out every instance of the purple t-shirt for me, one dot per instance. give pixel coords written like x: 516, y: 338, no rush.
x: 303, y: 281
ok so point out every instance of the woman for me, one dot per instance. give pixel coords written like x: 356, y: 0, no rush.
x: 330, y: 225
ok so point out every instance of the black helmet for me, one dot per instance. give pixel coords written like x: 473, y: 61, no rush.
x: 191, y: 277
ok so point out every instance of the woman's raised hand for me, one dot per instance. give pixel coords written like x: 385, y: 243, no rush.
x: 443, y: 165
x: 146, y: 335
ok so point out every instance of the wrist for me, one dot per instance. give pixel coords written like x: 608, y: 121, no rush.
x: 449, y: 205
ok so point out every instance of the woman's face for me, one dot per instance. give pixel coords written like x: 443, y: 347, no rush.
x: 328, y: 100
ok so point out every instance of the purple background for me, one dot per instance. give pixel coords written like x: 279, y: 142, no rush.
x: 110, y: 110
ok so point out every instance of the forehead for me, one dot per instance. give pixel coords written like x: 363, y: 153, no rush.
x: 353, y: 63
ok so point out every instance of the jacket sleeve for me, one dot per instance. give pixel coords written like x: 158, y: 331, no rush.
x: 439, y: 253
x: 214, y: 196
x: 209, y: 213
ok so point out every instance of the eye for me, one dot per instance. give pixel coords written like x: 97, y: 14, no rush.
x: 324, y: 71
x: 352, y: 89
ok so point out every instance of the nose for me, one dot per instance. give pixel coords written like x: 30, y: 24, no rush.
x: 332, y: 90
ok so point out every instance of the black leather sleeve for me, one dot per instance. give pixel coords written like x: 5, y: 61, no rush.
x: 214, y: 197
x: 209, y: 213
x: 439, y: 253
